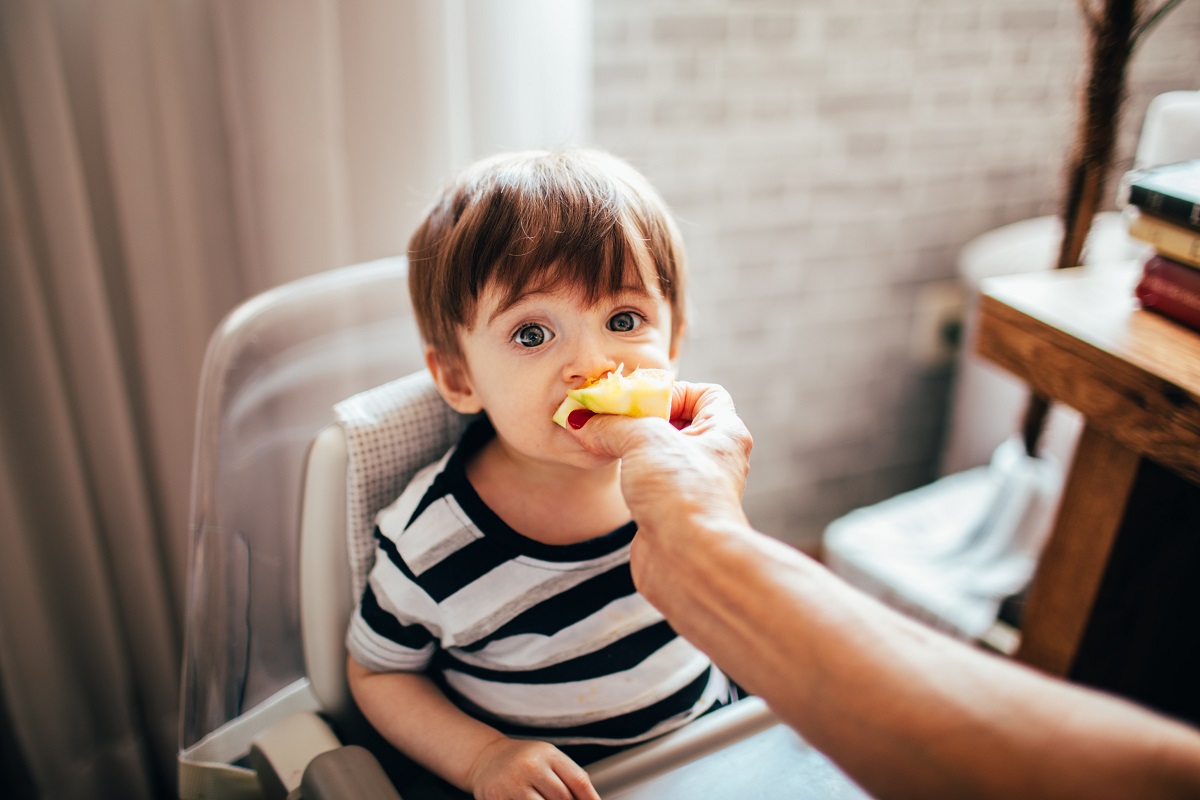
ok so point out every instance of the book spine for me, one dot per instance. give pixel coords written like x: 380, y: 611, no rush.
x: 1172, y: 241
x: 1170, y: 289
x: 1176, y: 209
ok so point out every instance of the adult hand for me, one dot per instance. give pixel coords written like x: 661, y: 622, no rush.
x: 677, y: 478
x: 518, y: 769
x: 698, y: 464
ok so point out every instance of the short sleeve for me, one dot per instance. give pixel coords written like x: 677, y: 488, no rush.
x: 395, y: 626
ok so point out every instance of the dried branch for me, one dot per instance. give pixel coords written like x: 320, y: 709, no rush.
x: 1091, y: 14
x: 1144, y: 25
x: 1087, y: 169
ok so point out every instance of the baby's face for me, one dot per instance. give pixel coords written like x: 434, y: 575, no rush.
x: 522, y: 360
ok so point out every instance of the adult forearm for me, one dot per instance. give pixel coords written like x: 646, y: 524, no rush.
x: 905, y: 711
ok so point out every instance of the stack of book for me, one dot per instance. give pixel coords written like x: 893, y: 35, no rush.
x: 1163, y: 209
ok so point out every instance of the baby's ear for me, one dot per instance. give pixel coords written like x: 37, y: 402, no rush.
x: 452, y: 381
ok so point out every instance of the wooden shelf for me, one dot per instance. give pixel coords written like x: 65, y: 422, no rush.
x: 1112, y: 603
x: 1078, y: 337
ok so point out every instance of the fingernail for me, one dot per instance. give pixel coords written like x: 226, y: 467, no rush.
x: 578, y: 417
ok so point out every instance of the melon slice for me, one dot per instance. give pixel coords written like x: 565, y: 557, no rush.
x: 641, y: 393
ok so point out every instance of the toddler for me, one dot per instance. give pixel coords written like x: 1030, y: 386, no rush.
x: 500, y: 641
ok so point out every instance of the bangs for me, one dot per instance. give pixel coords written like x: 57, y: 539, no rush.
x: 605, y: 266
x: 536, y: 234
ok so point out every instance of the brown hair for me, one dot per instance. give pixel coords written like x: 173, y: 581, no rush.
x: 526, y: 221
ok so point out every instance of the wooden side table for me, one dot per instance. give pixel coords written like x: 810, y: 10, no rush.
x: 1115, y: 601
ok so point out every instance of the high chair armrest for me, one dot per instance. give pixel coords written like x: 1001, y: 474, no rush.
x: 326, y: 598
x: 281, y: 754
x: 348, y: 773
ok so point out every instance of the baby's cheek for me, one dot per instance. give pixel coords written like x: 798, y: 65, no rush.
x: 522, y: 424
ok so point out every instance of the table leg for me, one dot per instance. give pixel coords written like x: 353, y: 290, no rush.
x: 1073, y: 561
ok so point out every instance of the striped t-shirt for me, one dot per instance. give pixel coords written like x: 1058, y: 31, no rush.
x: 541, y: 641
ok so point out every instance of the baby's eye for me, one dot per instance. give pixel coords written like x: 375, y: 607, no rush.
x: 532, y: 335
x: 624, y: 322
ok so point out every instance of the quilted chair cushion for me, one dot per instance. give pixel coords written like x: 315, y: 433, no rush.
x: 392, y: 431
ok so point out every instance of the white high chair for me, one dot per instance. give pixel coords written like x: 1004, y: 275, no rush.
x: 275, y: 367
x: 287, y: 480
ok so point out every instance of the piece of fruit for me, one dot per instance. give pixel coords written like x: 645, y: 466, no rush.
x: 641, y: 393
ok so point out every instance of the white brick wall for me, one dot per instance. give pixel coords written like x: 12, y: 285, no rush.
x: 825, y: 160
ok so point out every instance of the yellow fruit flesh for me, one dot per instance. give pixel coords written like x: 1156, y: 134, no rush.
x: 641, y: 393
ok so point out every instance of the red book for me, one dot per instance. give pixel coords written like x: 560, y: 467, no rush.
x: 1171, y: 289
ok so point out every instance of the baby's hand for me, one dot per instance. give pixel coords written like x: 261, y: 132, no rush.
x: 517, y: 769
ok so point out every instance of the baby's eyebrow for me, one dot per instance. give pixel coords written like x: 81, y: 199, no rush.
x: 631, y: 292
x: 625, y: 293
x: 501, y: 308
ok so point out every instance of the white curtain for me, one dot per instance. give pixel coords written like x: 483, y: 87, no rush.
x: 160, y: 160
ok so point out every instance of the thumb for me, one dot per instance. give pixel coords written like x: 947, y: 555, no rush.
x: 609, y: 434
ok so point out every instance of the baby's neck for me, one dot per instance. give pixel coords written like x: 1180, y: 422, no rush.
x: 551, y: 506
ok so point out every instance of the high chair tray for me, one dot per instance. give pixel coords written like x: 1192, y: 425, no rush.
x: 737, y: 752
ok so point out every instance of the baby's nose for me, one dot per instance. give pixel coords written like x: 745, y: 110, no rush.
x: 585, y: 363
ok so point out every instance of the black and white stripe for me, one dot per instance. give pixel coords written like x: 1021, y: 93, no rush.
x: 543, y: 641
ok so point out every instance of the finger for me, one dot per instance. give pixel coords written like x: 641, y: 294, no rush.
x: 575, y: 780
x: 579, y: 417
x: 616, y: 436
x: 700, y: 401
x: 548, y: 785
x: 688, y: 398
x: 713, y: 411
x: 684, y: 398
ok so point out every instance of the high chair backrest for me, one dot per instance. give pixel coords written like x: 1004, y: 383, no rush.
x: 275, y: 368
x: 383, y: 436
